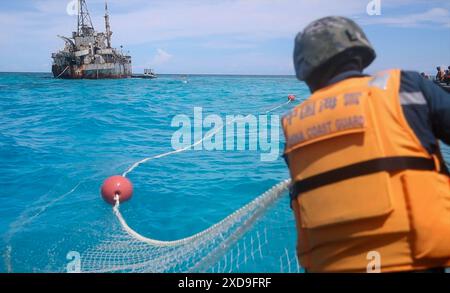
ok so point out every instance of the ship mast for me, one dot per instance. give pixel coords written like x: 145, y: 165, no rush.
x: 107, y: 26
x: 85, y: 26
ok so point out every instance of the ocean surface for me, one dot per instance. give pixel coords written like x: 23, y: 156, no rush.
x: 59, y: 139
x: 60, y: 135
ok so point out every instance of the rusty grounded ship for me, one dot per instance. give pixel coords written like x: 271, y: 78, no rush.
x: 88, y: 53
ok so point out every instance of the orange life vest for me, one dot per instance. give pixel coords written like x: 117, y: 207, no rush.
x: 363, y: 182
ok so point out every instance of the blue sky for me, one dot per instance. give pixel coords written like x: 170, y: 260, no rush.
x: 224, y: 36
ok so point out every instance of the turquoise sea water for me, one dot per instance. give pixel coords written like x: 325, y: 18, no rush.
x: 59, y: 134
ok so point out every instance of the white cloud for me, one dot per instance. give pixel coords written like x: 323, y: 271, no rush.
x: 234, y: 25
x: 161, y: 57
x: 435, y: 16
x: 249, y: 19
x: 137, y: 22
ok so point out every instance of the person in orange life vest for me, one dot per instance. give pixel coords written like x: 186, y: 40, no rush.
x: 370, y: 189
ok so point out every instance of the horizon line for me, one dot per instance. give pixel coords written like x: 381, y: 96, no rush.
x: 224, y: 74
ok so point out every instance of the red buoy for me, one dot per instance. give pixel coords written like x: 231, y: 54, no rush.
x: 117, y: 185
x: 291, y: 98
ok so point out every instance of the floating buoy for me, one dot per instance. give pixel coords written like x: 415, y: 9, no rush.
x: 291, y: 98
x: 117, y: 185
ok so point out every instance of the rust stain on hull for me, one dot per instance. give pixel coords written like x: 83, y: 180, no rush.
x: 75, y: 72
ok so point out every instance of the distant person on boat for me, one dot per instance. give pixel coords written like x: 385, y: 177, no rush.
x: 447, y: 75
x: 370, y: 190
x: 440, y: 74
x: 424, y: 75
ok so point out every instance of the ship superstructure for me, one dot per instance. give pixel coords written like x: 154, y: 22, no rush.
x: 88, y: 53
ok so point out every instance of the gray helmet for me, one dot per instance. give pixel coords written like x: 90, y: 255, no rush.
x: 324, y: 39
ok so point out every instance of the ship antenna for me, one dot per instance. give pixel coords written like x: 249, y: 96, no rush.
x: 107, y: 26
x: 84, y: 19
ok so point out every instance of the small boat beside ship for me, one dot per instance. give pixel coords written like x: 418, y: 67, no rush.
x: 148, y: 74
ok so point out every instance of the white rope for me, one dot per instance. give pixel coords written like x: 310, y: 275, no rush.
x: 186, y: 148
x: 258, y: 205
x: 277, y: 107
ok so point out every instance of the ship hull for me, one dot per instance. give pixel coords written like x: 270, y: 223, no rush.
x: 93, y: 71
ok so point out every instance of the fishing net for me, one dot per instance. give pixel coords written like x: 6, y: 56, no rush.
x: 235, y: 244
x: 224, y: 247
x: 259, y: 237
